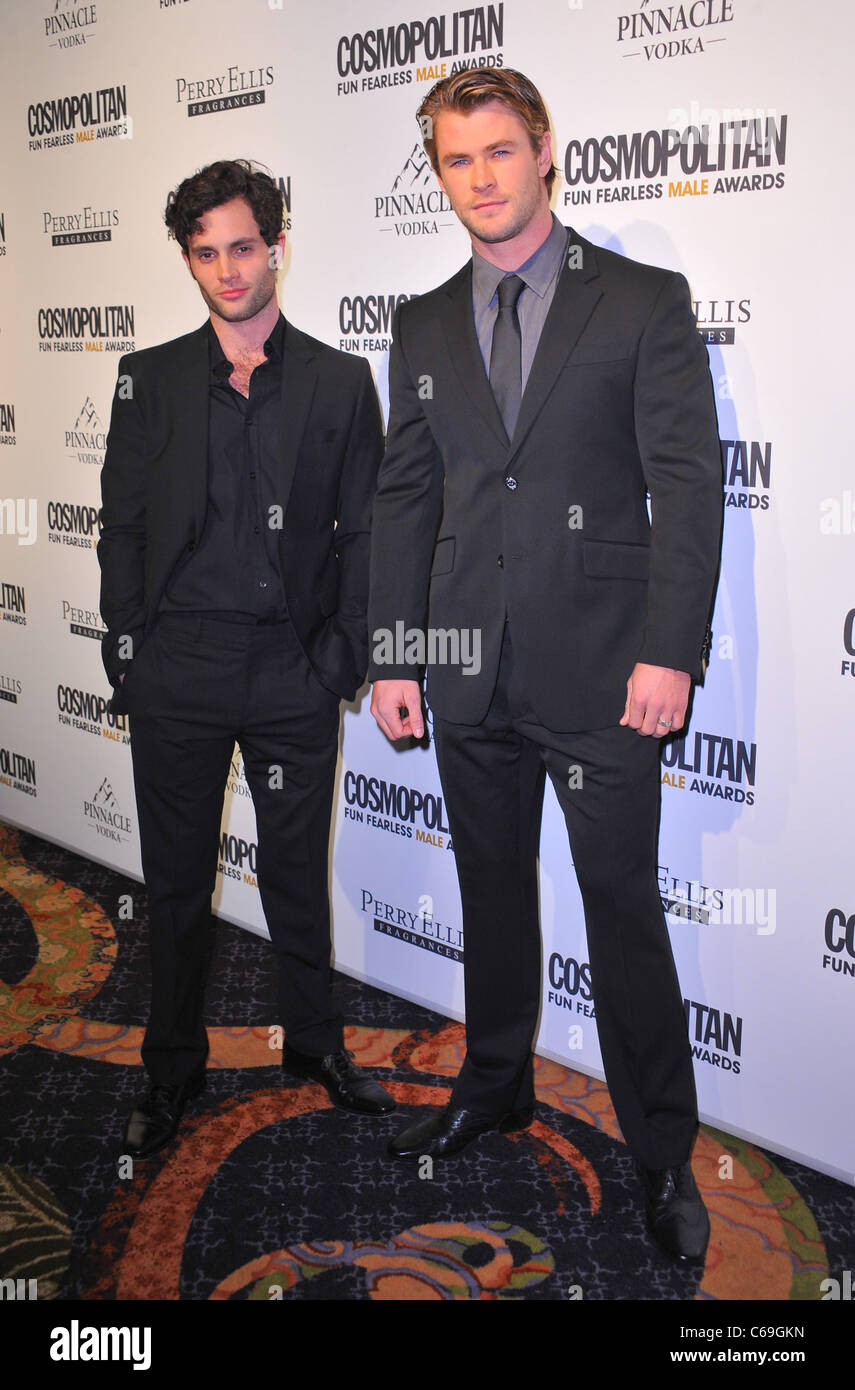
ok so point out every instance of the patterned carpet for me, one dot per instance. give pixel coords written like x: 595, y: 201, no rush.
x: 268, y: 1192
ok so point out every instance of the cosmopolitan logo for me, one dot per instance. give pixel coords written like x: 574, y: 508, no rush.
x: 416, y: 200
x: 673, y: 31
x: 747, y: 473
x: 83, y: 622
x: 724, y: 767
x: 571, y: 985
x: 227, y: 92
x: 10, y: 689
x: 415, y: 928
x: 13, y: 604
x: 238, y: 858
x: 395, y: 808
x: 18, y: 771
x: 79, y: 228
x: 716, y: 1036
x: 87, y: 438
x: 367, y: 321
x: 104, y: 815
x: 82, y: 710
x: 72, y: 523
x: 90, y: 328
x: 76, y: 119
x: 70, y: 25
x: 840, y: 940
x: 429, y: 42
x: 7, y: 423
x: 727, y: 148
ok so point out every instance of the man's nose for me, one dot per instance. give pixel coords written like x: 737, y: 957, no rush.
x: 481, y: 175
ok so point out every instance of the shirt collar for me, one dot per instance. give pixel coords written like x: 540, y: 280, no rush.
x: 537, y: 272
x: 222, y: 368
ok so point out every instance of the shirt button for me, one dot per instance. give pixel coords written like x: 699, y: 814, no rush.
x: 257, y: 530
x: 501, y: 562
x: 262, y: 583
x: 252, y: 475
x: 511, y: 484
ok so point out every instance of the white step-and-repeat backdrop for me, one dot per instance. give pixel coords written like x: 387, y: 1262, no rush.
x: 704, y: 136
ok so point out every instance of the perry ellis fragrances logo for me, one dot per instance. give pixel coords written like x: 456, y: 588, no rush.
x: 711, y: 765
x: 82, y: 622
x: 80, y: 227
x: 415, y: 200
x: 87, y: 438
x: 7, y: 423
x: 104, y: 815
x: 366, y: 321
x: 655, y: 32
x: 419, y: 928
x: 10, y: 689
x: 75, y: 119
x: 69, y: 24
x: 86, y: 327
x: 228, y: 91
x: 18, y: 771
x: 748, y: 153
x: 419, y: 49
x: 13, y: 604
x: 717, y: 319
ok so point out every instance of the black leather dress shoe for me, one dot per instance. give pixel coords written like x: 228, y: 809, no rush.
x: 447, y: 1131
x: 157, y: 1116
x: 676, y: 1216
x: 346, y: 1085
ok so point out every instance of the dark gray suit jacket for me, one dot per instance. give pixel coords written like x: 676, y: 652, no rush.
x: 551, y: 529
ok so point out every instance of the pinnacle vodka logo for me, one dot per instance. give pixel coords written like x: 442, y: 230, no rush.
x: 68, y: 24
x: 104, y: 815
x: 231, y: 90
x: 657, y: 32
x: 416, y: 205
x: 420, y: 50
x: 86, y: 439
x: 236, y: 782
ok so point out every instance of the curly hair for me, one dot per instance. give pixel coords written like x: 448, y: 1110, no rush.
x: 471, y: 87
x: 218, y: 183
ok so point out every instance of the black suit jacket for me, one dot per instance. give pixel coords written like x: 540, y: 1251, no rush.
x: 155, y: 491
x: 551, y: 528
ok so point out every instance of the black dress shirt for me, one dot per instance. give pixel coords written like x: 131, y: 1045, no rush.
x: 233, y: 572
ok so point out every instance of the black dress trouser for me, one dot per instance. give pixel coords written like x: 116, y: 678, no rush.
x: 196, y: 686
x: 607, y: 783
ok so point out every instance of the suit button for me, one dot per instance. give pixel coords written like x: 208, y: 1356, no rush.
x: 511, y: 484
x: 501, y: 562
x: 192, y: 546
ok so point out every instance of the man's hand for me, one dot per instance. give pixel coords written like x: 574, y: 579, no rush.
x: 388, y: 698
x: 656, y: 699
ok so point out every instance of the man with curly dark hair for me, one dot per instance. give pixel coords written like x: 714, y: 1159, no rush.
x: 237, y: 487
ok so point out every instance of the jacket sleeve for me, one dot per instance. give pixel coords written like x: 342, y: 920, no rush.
x: 122, y: 543
x: 677, y: 434
x: 407, y: 513
x: 353, y: 528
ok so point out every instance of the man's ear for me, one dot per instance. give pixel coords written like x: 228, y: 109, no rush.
x: 544, y: 158
x: 186, y: 259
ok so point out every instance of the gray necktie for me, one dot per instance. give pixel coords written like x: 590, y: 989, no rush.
x: 505, y: 369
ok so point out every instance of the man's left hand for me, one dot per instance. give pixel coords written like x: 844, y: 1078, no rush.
x: 656, y: 699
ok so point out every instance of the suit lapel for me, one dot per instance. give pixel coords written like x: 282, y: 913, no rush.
x: 299, y: 379
x: 576, y: 296
x: 191, y: 384
x: 459, y: 324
